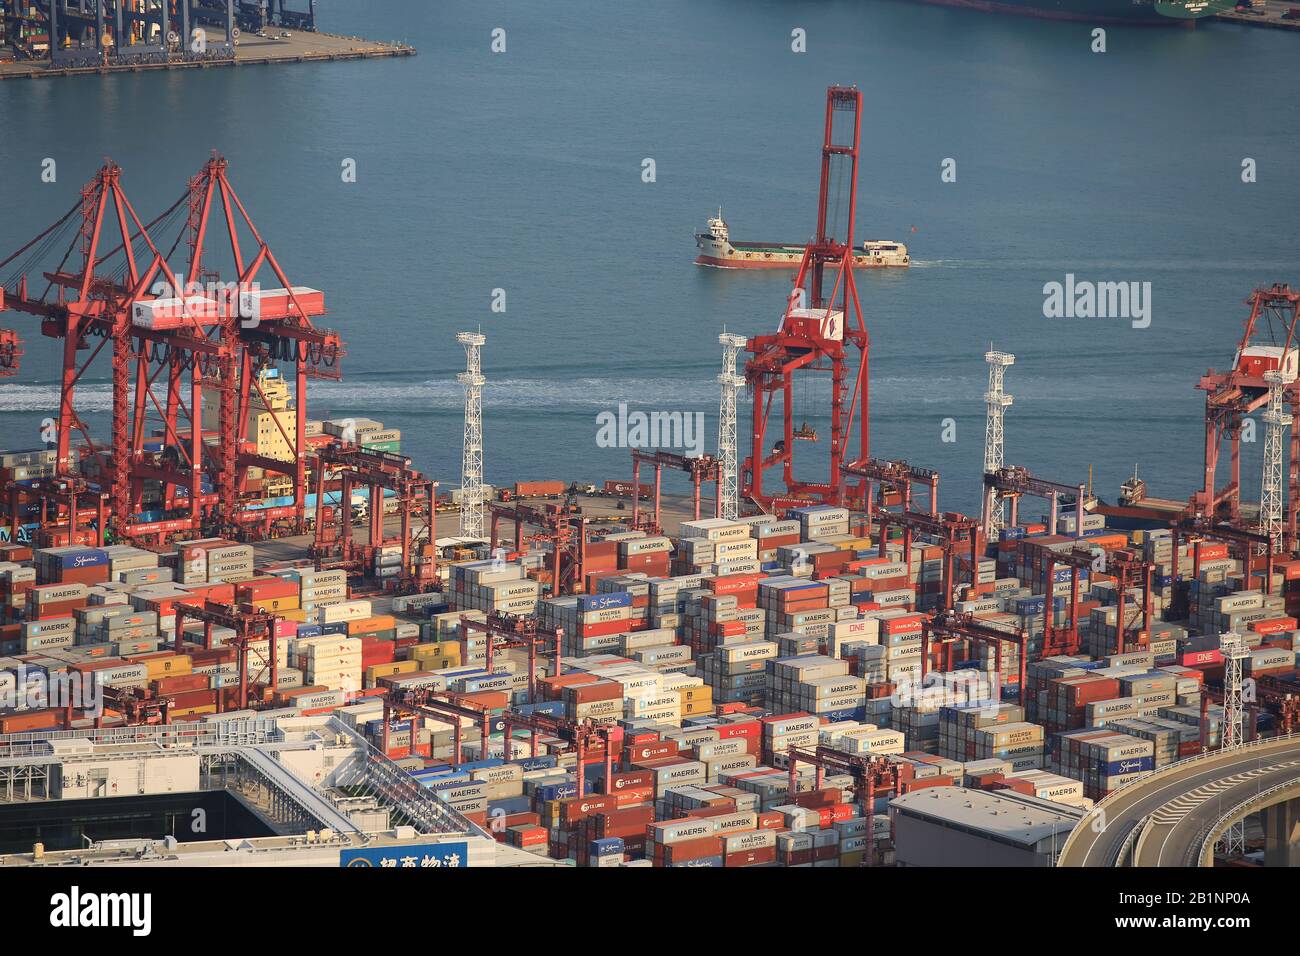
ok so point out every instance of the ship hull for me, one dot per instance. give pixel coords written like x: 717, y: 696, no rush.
x: 785, y: 262
x: 727, y: 255
x: 1150, y: 12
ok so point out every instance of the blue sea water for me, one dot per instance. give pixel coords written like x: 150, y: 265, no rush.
x: 522, y: 171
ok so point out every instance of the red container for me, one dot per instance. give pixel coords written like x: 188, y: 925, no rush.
x: 573, y: 809
x: 641, y: 753
x: 685, y: 851
x: 262, y: 589
x: 165, y: 686
x: 590, y: 693
x: 757, y: 857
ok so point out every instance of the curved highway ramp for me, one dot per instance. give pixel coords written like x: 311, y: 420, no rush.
x: 1174, y: 817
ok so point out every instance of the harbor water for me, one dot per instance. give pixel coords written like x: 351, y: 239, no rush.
x: 523, y: 171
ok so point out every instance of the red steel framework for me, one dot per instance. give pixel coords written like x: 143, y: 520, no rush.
x: 940, y: 634
x: 955, y: 532
x: 701, y: 469
x: 896, y: 478
x: 504, y: 631
x: 11, y: 346
x: 1231, y: 396
x: 414, y: 496
x: 563, y: 527
x: 251, y: 625
x: 97, y: 282
x: 815, y: 334
x: 872, y: 776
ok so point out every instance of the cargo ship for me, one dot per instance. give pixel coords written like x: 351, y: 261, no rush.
x: 1154, y: 12
x: 718, y: 250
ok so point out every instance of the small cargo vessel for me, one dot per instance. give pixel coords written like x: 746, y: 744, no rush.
x: 718, y: 250
x: 1100, y: 11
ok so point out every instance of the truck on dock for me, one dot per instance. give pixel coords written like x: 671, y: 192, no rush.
x: 532, y: 489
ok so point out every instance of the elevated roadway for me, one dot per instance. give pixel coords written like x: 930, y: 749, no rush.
x: 1174, y: 816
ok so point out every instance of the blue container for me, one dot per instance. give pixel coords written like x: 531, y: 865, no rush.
x: 338, y: 627
x: 557, y: 791
x: 836, y: 716
x: 482, y: 764
x: 1062, y: 575
x: 552, y: 707
x: 509, y: 805
x: 1127, y: 765
x: 702, y: 861
x: 309, y: 630
x: 82, y: 558
x: 607, y: 846
x: 1011, y: 534
x: 604, y: 601
x: 543, y: 762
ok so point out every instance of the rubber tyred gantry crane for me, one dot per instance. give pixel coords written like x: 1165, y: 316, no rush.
x: 701, y: 468
x: 819, y: 330
x: 414, y: 496
x: 99, y: 282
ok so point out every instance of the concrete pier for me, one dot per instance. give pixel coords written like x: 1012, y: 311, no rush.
x: 299, y: 47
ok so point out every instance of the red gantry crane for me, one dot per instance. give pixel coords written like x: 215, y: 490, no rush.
x: 896, y: 478
x: 101, y: 284
x: 1232, y: 396
x: 819, y: 330
x: 414, y: 496
x: 701, y: 468
x: 11, y: 346
x: 562, y: 527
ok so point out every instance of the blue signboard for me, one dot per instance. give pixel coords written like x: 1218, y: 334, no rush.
x: 409, y: 855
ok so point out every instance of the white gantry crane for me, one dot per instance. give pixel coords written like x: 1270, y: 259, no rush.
x: 1270, y: 488
x: 997, y: 402
x: 729, y: 479
x: 471, y: 470
x: 1234, y: 650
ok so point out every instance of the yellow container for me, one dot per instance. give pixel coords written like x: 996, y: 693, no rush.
x: 426, y: 652
x: 194, y: 711
x: 176, y: 665
x: 278, y: 604
x: 376, y: 671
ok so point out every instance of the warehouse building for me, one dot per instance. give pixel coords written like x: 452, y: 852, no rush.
x: 957, y: 826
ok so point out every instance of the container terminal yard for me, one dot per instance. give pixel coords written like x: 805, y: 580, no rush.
x: 223, y: 602
x: 45, y: 38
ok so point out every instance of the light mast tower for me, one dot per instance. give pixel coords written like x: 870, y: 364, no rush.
x: 471, y: 471
x: 997, y: 402
x: 728, y: 454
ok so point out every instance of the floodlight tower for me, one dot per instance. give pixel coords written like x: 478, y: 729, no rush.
x: 728, y: 453
x: 997, y: 402
x: 471, y: 471
x: 1270, y: 488
x: 1233, y: 648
